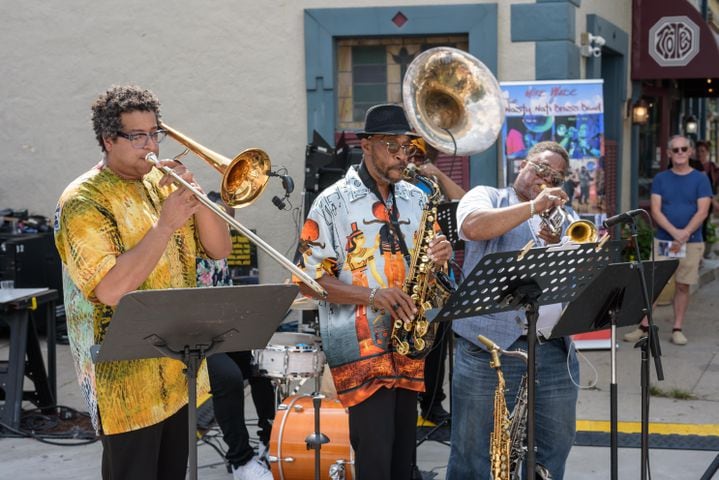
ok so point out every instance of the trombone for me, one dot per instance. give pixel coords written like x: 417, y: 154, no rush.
x: 243, y: 180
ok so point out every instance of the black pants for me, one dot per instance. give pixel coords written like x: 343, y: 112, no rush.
x: 434, y: 369
x: 158, y: 452
x: 227, y: 372
x: 382, y: 434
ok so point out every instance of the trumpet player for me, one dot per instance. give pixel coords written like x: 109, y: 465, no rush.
x: 497, y: 220
x: 120, y: 227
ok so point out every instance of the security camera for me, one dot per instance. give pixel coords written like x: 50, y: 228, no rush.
x: 598, y: 40
x: 597, y: 52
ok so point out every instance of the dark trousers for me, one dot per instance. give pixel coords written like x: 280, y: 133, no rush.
x: 434, y: 370
x: 227, y: 372
x: 157, y: 452
x: 382, y: 434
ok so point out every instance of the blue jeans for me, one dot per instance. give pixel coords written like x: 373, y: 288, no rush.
x: 473, y: 385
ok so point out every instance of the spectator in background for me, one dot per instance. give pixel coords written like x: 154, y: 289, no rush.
x: 680, y: 203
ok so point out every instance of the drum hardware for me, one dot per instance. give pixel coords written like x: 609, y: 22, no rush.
x: 288, y: 454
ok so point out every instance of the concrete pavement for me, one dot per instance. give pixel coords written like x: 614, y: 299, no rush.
x: 691, y: 371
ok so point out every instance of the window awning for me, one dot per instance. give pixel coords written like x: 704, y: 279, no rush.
x: 671, y: 40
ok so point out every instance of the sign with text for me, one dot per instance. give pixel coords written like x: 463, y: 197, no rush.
x: 243, y: 259
x: 569, y: 112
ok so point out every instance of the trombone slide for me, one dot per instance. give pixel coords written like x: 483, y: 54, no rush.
x: 306, y: 279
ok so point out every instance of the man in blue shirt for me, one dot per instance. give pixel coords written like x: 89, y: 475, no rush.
x: 680, y: 202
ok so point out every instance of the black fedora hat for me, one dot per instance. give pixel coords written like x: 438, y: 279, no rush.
x: 386, y: 119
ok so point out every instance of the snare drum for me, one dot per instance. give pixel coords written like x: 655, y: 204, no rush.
x: 295, y: 420
x: 291, y: 356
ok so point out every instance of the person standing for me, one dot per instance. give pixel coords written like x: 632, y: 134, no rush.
x: 124, y: 226
x: 500, y: 220
x: 363, y: 271
x: 227, y: 373
x: 680, y: 202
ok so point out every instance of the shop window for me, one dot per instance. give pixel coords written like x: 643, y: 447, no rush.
x: 370, y: 71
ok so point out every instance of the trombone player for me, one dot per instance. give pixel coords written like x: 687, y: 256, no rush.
x: 119, y: 227
x: 495, y: 220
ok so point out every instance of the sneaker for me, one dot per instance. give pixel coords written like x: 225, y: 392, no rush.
x: 635, y: 335
x: 252, y: 470
x: 678, y: 338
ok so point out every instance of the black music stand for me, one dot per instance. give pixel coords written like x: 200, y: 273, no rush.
x: 188, y: 324
x: 447, y: 220
x: 527, y: 279
x: 616, y: 299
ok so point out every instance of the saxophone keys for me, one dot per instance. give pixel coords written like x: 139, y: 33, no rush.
x: 407, y: 326
x: 421, y: 328
x: 397, y: 324
x: 402, y: 347
x: 419, y: 344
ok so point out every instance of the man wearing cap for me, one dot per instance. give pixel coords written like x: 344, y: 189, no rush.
x: 357, y: 265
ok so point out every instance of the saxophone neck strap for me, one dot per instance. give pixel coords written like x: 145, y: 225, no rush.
x: 370, y: 183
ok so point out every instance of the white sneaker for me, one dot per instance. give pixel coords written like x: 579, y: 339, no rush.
x: 252, y: 470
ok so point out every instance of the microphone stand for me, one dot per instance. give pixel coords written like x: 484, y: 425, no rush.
x: 649, y: 344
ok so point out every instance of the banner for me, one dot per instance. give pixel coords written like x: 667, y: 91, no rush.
x: 571, y: 113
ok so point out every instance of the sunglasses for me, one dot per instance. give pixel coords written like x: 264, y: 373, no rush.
x: 683, y: 149
x: 548, y: 174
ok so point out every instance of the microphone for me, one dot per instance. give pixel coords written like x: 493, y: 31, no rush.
x: 287, y: 184
x: 625, y: 217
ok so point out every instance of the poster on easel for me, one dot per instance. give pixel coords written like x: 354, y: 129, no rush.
x: 571, y: 113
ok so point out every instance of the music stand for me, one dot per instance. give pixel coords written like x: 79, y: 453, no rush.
x: 188, y: 324
x: 615, y: 295
x: 527, y: 279
x: 447, y: 220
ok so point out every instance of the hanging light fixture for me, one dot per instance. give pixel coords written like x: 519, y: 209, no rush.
x: 640, y: 112
x: 690, y: 124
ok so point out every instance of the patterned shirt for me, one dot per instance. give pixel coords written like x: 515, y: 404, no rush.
x: 347, y: 234
x: 99, y: 217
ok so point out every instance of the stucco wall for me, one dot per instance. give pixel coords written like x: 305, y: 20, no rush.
x: 229, y: 74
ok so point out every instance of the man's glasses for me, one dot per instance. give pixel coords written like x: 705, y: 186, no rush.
x: 548, y: 174
x: 394, y: 147
x: 683, y: 149
x: 139, y: 140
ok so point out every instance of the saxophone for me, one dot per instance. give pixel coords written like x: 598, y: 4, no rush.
x: 427, y: 285
x: 508, y: 440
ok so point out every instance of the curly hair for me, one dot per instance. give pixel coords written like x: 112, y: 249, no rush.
x: 119, y: 99
x: 548, y: 146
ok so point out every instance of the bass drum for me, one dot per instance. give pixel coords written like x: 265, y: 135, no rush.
x: 289, y: 457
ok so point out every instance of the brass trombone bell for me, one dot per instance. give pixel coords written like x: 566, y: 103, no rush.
x: 244, y: 178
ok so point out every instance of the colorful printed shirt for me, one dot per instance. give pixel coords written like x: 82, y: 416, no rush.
x: 99, y: 217
x: 347, y: 234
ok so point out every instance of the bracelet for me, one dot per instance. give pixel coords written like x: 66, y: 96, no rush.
x: 372, y: 293
x: 532, y: 210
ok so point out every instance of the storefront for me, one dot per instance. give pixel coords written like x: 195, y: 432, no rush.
x: 675, y: 74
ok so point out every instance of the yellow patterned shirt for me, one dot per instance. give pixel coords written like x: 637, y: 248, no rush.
x: 99, y: 217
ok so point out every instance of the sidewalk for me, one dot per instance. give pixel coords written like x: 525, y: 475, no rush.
x: 692, y: 369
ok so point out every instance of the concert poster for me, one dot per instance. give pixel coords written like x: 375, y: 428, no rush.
x: 571, y: 113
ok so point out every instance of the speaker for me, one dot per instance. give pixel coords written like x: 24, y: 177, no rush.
x: 32, y: 261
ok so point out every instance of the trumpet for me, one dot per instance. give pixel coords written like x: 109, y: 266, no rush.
x: 243, y: 179
x: 578, y: 231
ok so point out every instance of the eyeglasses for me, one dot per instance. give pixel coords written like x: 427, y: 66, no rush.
x: 140, y: 139
x: 548, y: 174
x: 680, y: 149
x: 394, y: 147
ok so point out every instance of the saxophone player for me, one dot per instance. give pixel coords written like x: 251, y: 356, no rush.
x: 356, y: 242
x: 495, y: 220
